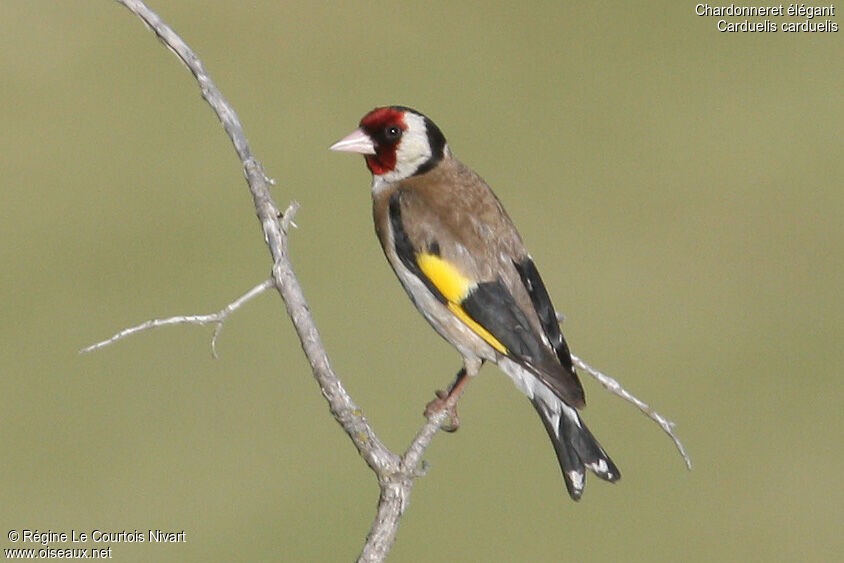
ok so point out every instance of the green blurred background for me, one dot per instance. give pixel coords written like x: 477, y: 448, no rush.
x: 679, y: 188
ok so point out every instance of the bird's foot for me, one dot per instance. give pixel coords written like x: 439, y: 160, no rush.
x: 452, y: 422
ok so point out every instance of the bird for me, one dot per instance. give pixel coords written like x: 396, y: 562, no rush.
x: 464, y: 266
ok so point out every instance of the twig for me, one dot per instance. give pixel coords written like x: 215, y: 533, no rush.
x: 219, y: 318
x: 615, y: 388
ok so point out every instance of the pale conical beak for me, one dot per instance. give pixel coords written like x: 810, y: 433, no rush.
x: 356, y: 141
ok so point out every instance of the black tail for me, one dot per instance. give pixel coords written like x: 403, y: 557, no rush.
x: 576, y: 447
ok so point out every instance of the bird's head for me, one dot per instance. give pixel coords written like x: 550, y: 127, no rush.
x: 397, y: 142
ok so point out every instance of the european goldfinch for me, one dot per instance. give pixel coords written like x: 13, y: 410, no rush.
x: 463, y: 264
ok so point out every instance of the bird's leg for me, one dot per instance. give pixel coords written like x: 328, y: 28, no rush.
x: 447, y: 400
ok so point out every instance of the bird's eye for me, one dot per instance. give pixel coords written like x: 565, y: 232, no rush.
x: 392, y: 133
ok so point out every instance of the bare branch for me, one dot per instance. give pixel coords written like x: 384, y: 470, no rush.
x: 615, y: 388
x: 396, y: 488
x: 219, y: 318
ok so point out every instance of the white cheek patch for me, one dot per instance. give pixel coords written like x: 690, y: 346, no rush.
x: 413, y: 150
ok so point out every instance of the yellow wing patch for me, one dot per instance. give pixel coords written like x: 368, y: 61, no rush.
x: 445, y: 276
x: 455, y: 287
